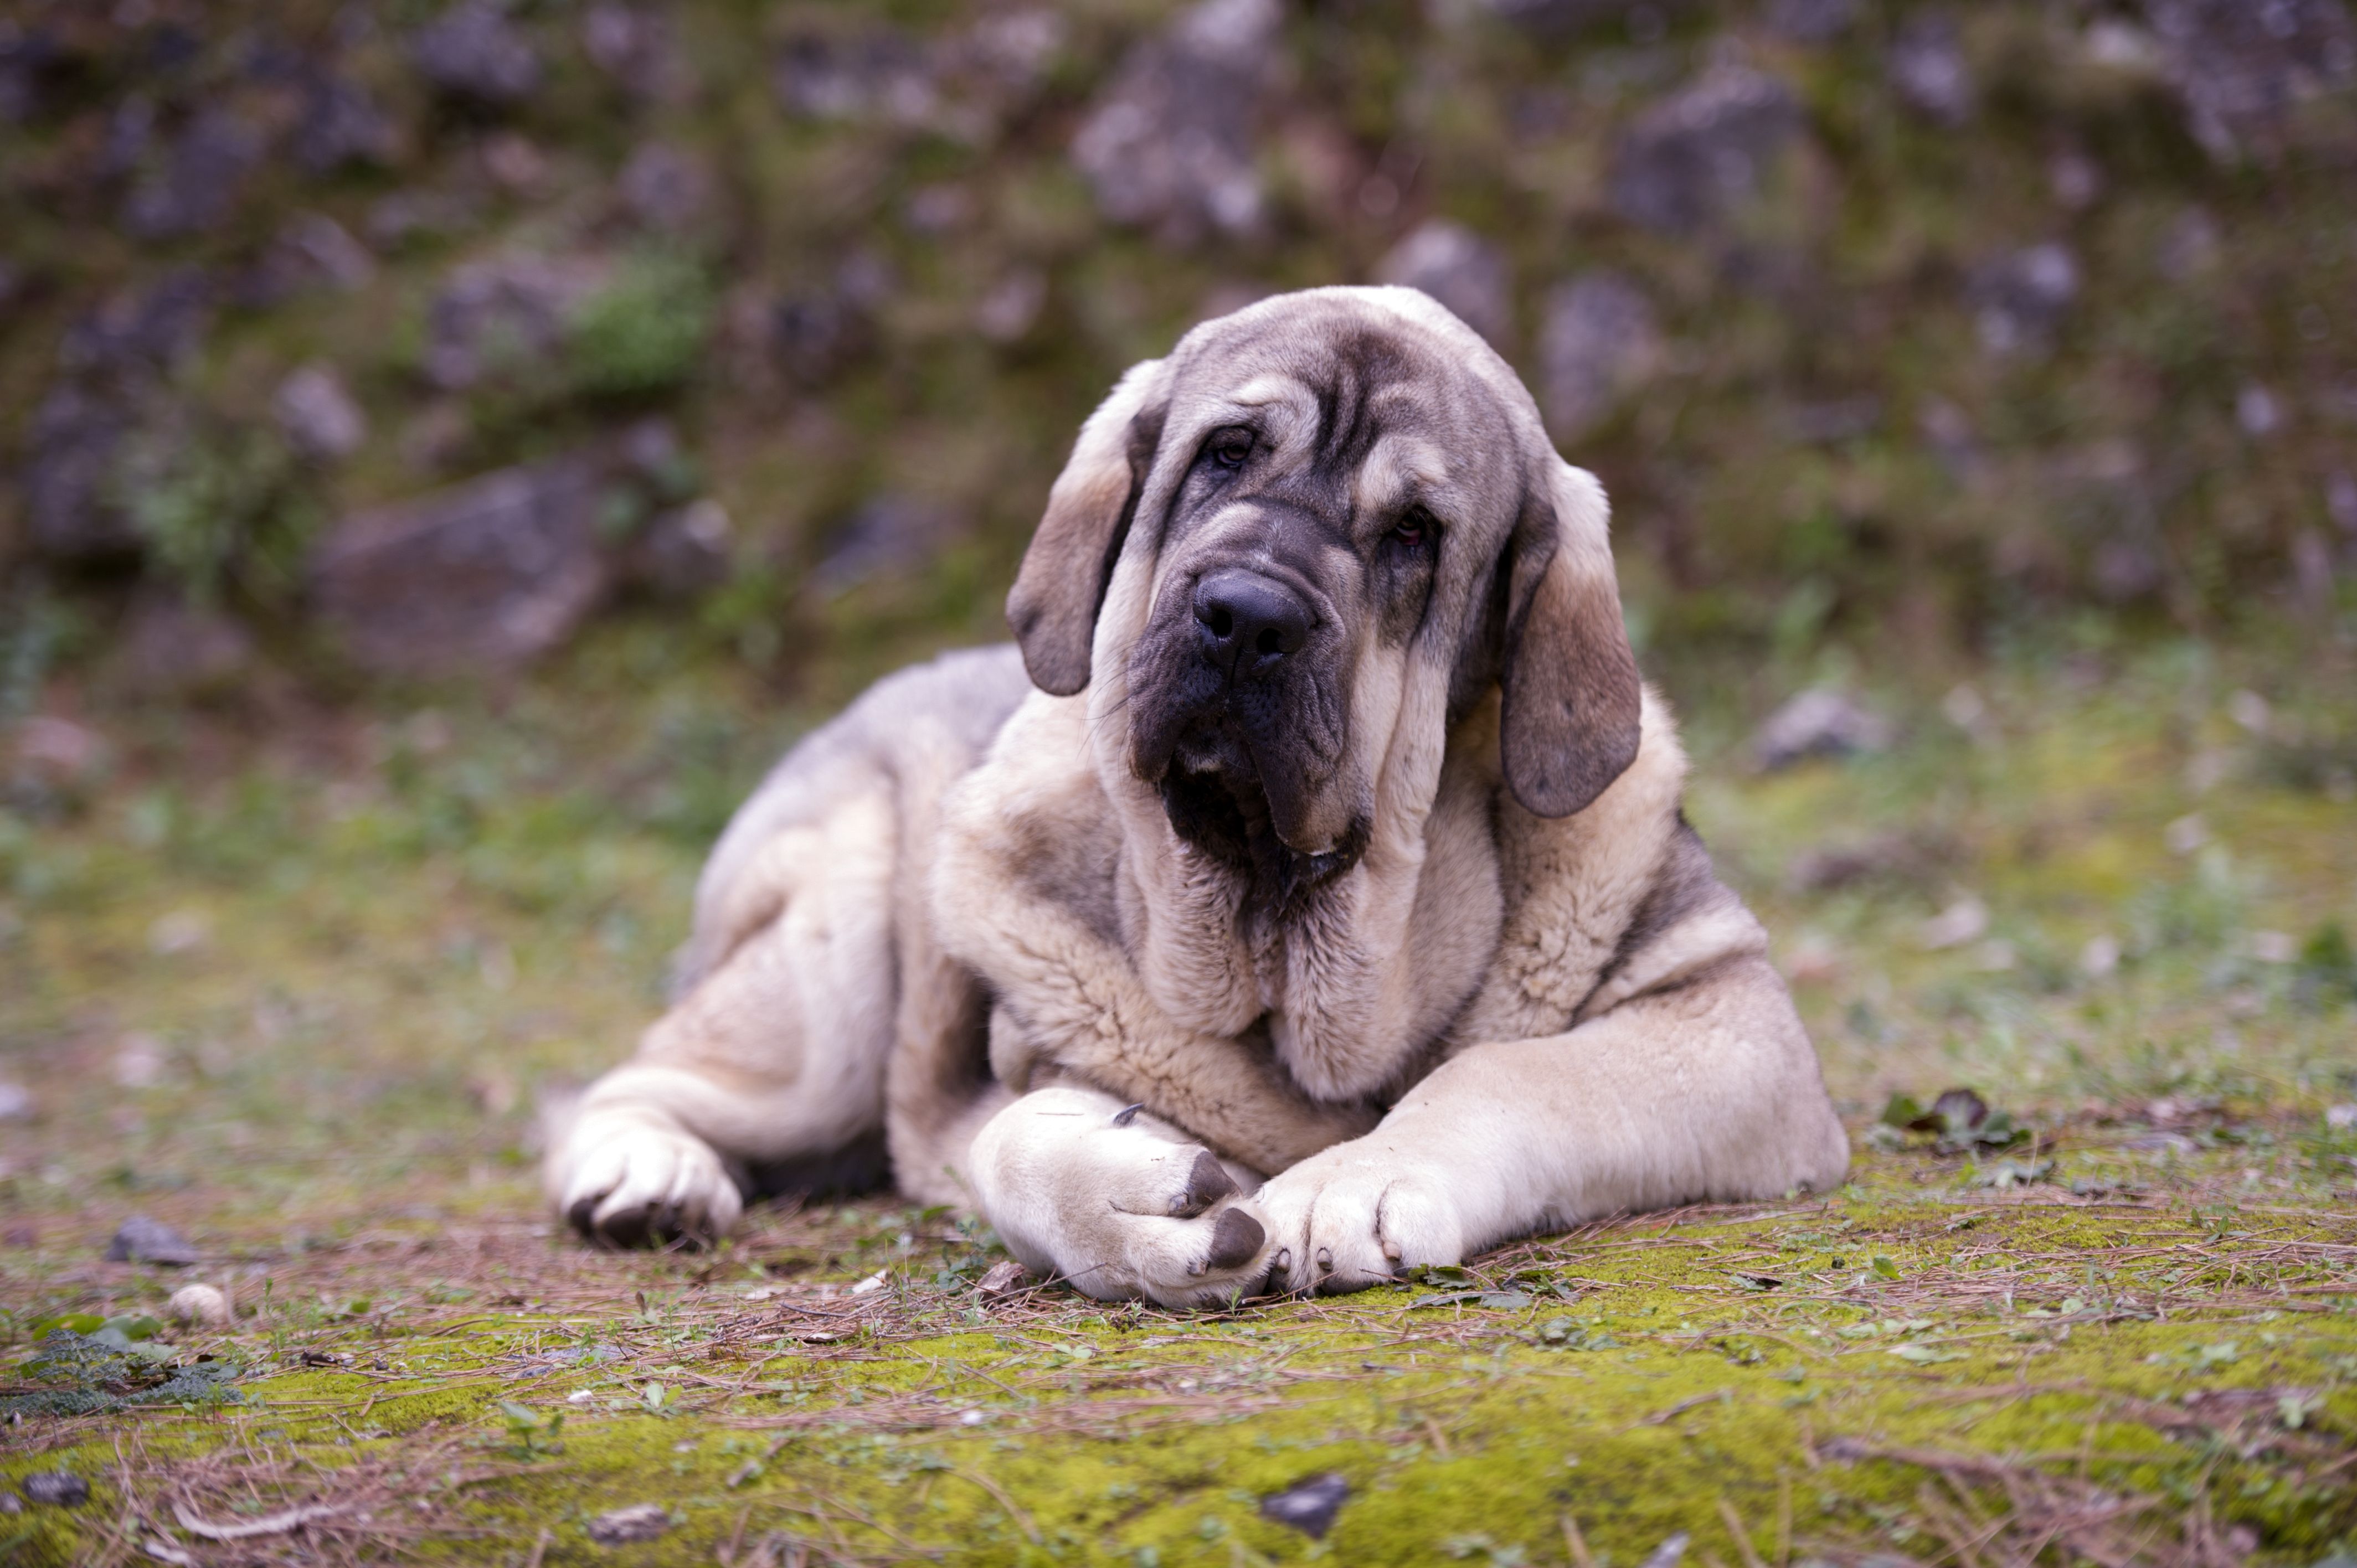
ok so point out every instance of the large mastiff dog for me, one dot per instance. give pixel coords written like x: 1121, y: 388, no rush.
x: 1311, y: 902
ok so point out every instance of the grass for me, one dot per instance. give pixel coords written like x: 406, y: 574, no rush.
x: 292, y: 978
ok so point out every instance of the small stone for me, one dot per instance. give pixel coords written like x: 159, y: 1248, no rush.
x: 10, y: 1503
x: 1698, y: 154
x: 1598, y: 344
x: 1004, y: 1279
x: 197, y: 189
x: 56, y: 1488
x: 140, y: 1061
x: 1308, y: 1506
x: 59, y: 752
x: 1666, y: 1554
x: 641, y: 1522
x: 1010, y: 310
x: 665, y: 188
x: 2257, y: 410
x: 1928, y: 71
x: 144, y: 1241
x: 199, y: 1306
x: 1819, y: 722
x: 1962, y: 922
x: 341, y: 125
x: 1463, y: 271
x: 683, y: 553
x: 317, y: 415
x: 2186, y: 835
x: 16, y: 1101
x: 472, y: 51
x: 2341, y: 1118
x: 2101, y: 957
x: 1168, y: 144
x: 2021, y: 298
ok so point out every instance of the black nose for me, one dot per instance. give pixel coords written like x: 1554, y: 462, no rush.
x: 1247, y: 621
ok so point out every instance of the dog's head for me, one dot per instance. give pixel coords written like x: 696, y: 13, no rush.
x: 1303, y: 545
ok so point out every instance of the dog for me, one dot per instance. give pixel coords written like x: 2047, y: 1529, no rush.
x: 1303, y: 900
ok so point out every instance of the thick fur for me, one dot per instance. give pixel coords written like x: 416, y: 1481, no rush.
x: 1198, y: 965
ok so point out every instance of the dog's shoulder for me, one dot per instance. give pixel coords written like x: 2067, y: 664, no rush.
x: 1605, y: 904
x: 1031, y: 816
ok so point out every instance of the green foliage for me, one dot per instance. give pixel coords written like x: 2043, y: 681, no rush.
x: 644, y: 332
x: 219, y: 508
x: 114, y: 1367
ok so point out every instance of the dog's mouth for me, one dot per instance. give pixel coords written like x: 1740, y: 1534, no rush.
x: 1213, y: 796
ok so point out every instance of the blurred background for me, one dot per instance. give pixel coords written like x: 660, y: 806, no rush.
x: 447, y: 451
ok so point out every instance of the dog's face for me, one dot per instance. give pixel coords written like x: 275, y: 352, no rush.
x: 1302, y: 546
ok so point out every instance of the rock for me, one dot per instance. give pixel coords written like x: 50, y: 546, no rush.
x: 1811, y: 21
x: 341, y: 125
x: 641, y: 1522
x: 473, y: 51
x: 878, y: 74
x: 1598, y: 344
x: 665, y: 188
x: 16, y: 1101
x: 199, y: 1306
x: 1646, y: 22
x: 1819, y: 722
x: 1666, y: 1555
x: 815, y: 334
x: 2240, y: 65
x: 310, y: 252
x: 1004, y: 1278
x: 2022, y: 298
x: 69, y: 459
x: 140, y: 1062
x: 2076, y: 180
x: 1168, y: 144
x: 634, y: 48
x: 56, y: 1488
x: 1456, y: 267
x: 504, y: 315
x: 1010, y: 309
x: 143, y: 1241
x: 198, y: 188
x: 142, y: 332
x: 1928, y: 72
x: 170, y: 648
x: 494, y: 572
x: 60, y: 754
x: 1308, y: 1506
x: 514, y: 164
x: 317, y: 416
x: 2258, y: 412
x: 684, y: 551
x: 1963, y: 920
x: 888, y: 534
x: 1692, y: 158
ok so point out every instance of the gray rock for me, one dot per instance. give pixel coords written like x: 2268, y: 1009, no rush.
x: 143, y: 331
x: 473, y: 51
x: 16, y: 1103
x: 816, y: 333
x: 875, y: 74
x: 198, y: 186
x: 170, y: 648
x: 684, y: 551
x: 1927, y: 69
x: 493, y: 572
x: 1465, y: 272
x: 1598, y: 343
x: 1695, y: 156
x: 1819, y: 722
x: 641, y: 1522
x: 341, y: 125
x: 71, y: 454
x: 2240, y: 65
x: 665, y: 188
x: 890, y: 535
x: 504, y: 314
x: 317, y: 416
x: 1811, y: 21
x: 1645, y: 19
x: 1308, y: 1506
x: 633, y: 46
x: 1168, y: 144
x: 142, y: 1240
x: 2022, y: 298
x: 1012, y: 307
x: 312, y: 250
x: 56, y: 1488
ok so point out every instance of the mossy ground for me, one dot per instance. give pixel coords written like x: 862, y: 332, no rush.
x: 292, y: 980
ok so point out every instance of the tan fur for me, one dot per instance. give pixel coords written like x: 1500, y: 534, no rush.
x: 959, y: 914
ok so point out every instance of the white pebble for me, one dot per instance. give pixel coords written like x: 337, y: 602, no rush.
x: 202, y: 1306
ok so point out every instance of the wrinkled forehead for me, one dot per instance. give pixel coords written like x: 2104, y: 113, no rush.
x: 1342, y: 388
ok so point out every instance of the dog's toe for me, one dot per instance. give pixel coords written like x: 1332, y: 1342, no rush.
x: 1208, y: 1181
x: 1235, y: 1239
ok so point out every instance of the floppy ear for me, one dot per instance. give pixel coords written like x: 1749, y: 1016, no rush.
x: 1572, y: 697
x: 1053, y: 606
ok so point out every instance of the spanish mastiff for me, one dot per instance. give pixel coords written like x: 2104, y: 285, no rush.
x: 1305, y: 899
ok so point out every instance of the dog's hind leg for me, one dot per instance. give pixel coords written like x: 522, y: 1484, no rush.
x: 775, y: 1056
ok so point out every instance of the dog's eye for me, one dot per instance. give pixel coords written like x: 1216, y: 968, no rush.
x: 1229, y: 448
x: 1415, y: 528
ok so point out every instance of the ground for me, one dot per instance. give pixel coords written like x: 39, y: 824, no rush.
x: 296, y: 981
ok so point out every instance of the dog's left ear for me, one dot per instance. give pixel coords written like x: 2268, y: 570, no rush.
x: 1572, y: 704
x: 1053, y: 606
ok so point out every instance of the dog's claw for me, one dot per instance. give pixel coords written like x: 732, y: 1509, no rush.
x: 1127, y: 1113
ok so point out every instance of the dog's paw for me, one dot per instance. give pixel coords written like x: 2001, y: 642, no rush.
x: 1118, y: 1204
x: 631, y: 1185
x: 1352, y: 1218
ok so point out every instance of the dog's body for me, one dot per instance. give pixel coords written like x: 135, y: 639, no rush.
x: 1332, y: 825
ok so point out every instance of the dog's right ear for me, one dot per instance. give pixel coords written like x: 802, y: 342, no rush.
x: 1053, y: 606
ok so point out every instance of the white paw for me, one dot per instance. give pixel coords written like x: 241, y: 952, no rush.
x: 1120, y: 1206
x: 627, y: 1184
x: 1352, y: 1216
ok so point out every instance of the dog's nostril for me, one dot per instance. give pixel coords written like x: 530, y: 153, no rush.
x: 1269, y: 642
x: 1222, y: 623
x: 1244, y: 612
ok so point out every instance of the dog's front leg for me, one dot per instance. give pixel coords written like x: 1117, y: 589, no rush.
x: 1122, y: 1204
x: 1706, y: 1092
